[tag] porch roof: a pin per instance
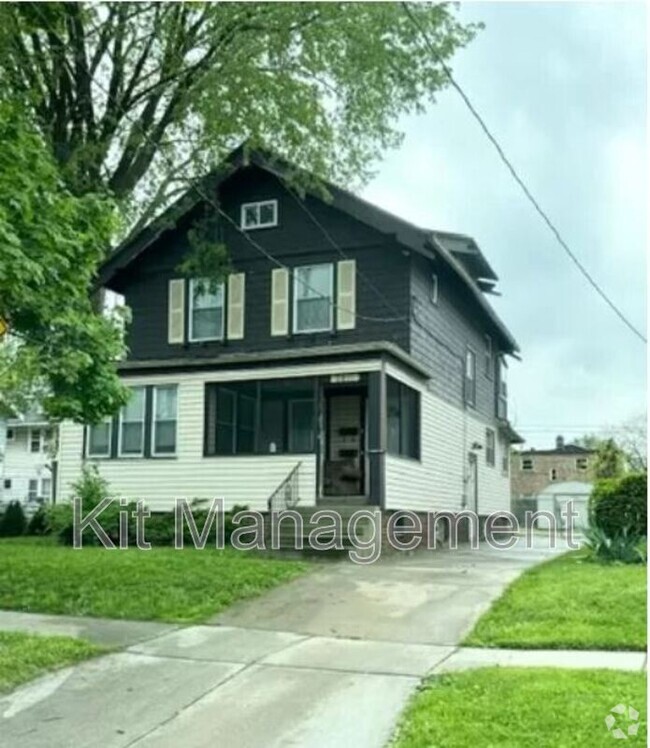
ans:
(295, 355)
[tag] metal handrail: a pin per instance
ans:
(287, 494)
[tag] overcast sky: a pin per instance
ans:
(562, 86)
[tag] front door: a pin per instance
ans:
(344, 468)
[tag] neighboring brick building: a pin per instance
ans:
(534, 469)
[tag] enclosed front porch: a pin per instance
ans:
(334, 419)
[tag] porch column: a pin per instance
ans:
(376, 438)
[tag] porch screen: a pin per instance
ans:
(403, 413)
(263, 417)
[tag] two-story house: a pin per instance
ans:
(347, 349)
(535, 470)
(28, 445)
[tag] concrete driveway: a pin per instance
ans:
(429, 597)
(328, 660)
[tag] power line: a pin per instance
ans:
(518, 179)
(301, 203)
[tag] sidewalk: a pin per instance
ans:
(192, 686)
(106, 632)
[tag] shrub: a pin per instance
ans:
(13, 521)
(623, 547)
(159, 528)
(620, 504)
(91, 488)
(38, 524)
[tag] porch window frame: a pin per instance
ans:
(154, 421)
(257, 450)
(417, 423)
(95, 455)
(142, 421)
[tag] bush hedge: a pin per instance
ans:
(619, 505)
(13, 522)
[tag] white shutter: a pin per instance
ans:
(176, 311)
(346, 301)
(280, 301)
(236, 299)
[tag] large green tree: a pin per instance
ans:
(129, 102)
(138, 98)
(58, 349)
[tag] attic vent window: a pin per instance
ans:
(261, 215)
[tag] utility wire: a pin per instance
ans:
(517, 178)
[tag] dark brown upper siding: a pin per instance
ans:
(453, 324)
(296, 241)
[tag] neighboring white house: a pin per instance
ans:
(27, 460)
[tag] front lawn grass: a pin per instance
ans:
(24, 656)
(162, 584)
(569, 603)
(520, 708)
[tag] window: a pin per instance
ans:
(36, 440)
(489, 361)
(502, 391)
(582, 463)
(7, 483)
(99, 439)
(131, 435)
(11, 435)
(46, 488)
(206, 310)
(164, 420)
(267, 417)
(526, 463)
(301, 425)
(470, 377)
(490, 447)
(313, 291)
(434, 289)
(403, 412)
(32, 489)
(552, 473)
(260, 215)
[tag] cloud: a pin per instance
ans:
(562, 86)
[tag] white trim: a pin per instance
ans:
(469, 351)
(154, 422)
(258, 204)
(434, 289)
(29, 490)
(93, 455)
(192, 339)
(296, 331)
(488, 358)
(134, 455)
(41, 441)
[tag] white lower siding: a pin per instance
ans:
(437, 482)
(248, 480)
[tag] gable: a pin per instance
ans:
(246, 177)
